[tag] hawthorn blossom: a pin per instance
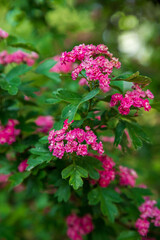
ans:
(61, 68)
(22, 166)
(4, 178)
(8, 132)
(96, 61)
(133, 98)
(45, 123)
(143, 226)
(3, 34)
(76, 140)
(18, 57)
(79, 226)
(108, 174)
(127, 176)
(149, 214)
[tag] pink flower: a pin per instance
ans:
(90, 137)
(18, 57)
(45, 123)
(108, 174)
(4, 178)
(132, 98)
(22, 166)
(149, 214)
(82, 149)
(62, 141)
(146, 105)
(115, 99)
(97, 68)
(3, 34)
(61, 68)
(149, 94)
(143, 226)
(8, 132)
(83, 82)
(79, 226)
(127, 176)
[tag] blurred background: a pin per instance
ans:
(130, 29)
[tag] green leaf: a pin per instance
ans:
(136, 78)
(35, 161)
(26, 46)
(45, 66)
(93, 161)
(82, 171)
(69, 112)
(137, 142)
(119, 132)
(137, 194)
(5, 168)
(117, 85)
(12, 89)
(40, 149)
(123, 76)
(44, 140)
(52, 100)
(18, 178)
(68, 96)
(91, 165)
(58, 125)
(15, 82)
(67, 171)
(75, 173)
(11, 39)
(94, 197)
(63, 192)
(140, 133)
(14, 42)
(17, 71)
(90, 95)
(137, 135)
(108, 208)
(75, 180)
(111, 195)
(129, 235)
(156, 106)
(52, 75)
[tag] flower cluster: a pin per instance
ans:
(4, 178)
(18, 57)
(76, 140)
(3, 34)
(108, 174)
(149, 213)
(61, 68)
(8, 132)
(45, 123)
(79, 226)
(22, 166)
(133, 98)
(127, 176)
(96, 61)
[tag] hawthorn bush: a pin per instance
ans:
(61, 176)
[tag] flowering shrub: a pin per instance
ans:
(57, 151)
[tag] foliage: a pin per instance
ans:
(36, 200)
